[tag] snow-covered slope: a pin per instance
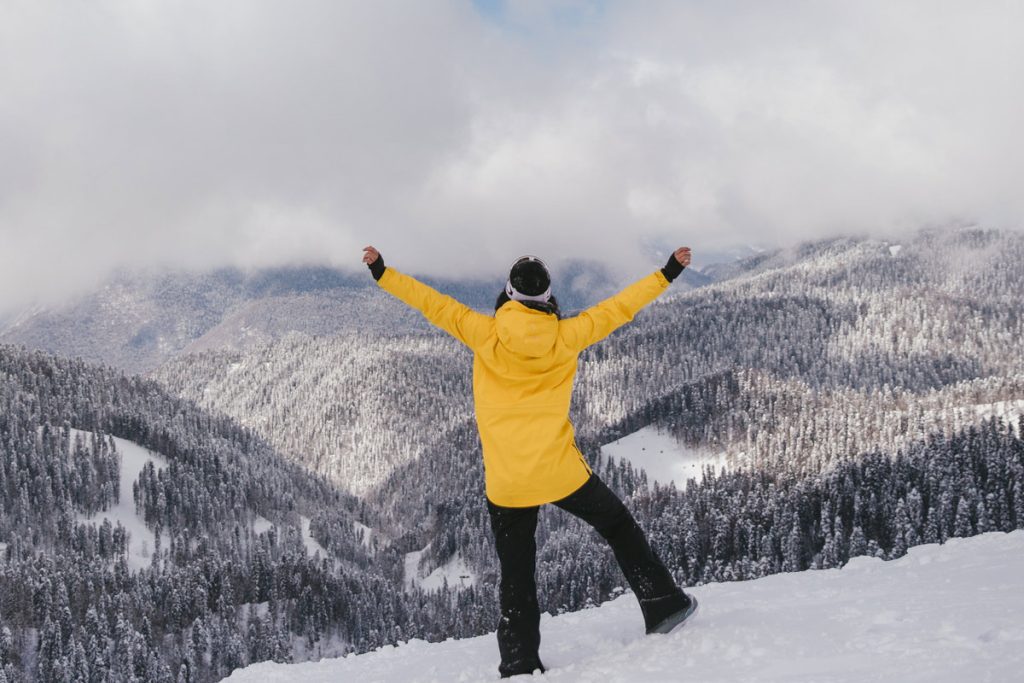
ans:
(941, 613)
(662, 457)
(133, 458)
(454, 573)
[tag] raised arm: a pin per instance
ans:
(457, 319)
(597, 322)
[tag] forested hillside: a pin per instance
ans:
(231, 579)
(351, 408)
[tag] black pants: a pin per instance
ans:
(598, 506)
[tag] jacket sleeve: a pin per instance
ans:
(597, 322)
(457, 319)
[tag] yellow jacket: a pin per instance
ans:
(524, 363)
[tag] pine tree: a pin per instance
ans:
(1018, 501)
(902, 531)
(858, 543)
(963, 527)
(983, 520)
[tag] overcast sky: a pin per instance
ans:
(456, 135)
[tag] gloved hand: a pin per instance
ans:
(679, 259)
(374, 261)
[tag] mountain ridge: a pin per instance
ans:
(139, 320)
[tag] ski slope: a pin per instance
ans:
(940, 614)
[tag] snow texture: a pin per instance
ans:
(1009, 411)
(312, 546)
(941, 613)
(455, 573)
(141, 539)
(661, 456)
(410, 572)
(261, 524)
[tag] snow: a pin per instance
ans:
(23, 317)
(455, 572)
(895, 249)
(940, 614)
(955, 418)
(133, 459)
(312, 547)
(365, 533)
(410, 574)
(664, 459)
(261, 525)
(1010, 411)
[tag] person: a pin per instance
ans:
(524, 364)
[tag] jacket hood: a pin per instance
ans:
(526, 331)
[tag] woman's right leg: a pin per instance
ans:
(519, 626)
(654, 587)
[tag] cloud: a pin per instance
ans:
(195, 134)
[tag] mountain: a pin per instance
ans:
(852, 343)
(940, 614)
(855, 398)
(139, 320)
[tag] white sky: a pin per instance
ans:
(455, 136)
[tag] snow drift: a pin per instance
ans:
(941, 613)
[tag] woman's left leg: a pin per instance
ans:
(598, 506)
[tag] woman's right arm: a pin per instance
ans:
(455, 318)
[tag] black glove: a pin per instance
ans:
(377, 267)
(672, 268)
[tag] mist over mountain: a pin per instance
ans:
(139, 320)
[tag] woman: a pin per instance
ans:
(524, 363)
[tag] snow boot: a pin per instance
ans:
(661, 615)
(524, 666)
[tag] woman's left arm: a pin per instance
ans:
(597, 322)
